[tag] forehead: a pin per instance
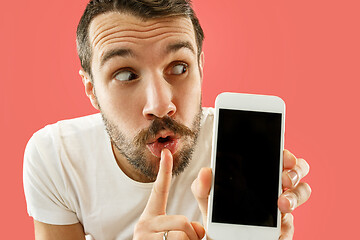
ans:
(114, 30)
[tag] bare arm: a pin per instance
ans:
(45, 231)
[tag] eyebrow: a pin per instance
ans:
(122, 52)
(125, 52)
(179, 45)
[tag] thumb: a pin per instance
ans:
(199, 229)
(201, 189)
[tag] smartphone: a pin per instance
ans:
(247, 160)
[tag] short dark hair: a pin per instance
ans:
(144, 9)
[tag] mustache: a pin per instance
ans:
(158, 124)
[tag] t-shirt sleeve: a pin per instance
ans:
(45, 188)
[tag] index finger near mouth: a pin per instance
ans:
(156, 204)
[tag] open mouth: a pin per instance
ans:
(170, 142)
(163, 140)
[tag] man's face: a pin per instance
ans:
(147, 85)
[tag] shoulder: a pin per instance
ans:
(56, 159)
(202, 151)
(69, 127)
(207, 118)
(58, 145)
(66, 132)
(208, 112)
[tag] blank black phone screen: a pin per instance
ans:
(247, 168)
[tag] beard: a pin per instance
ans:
(134, 150)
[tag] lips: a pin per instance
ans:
(163, 140)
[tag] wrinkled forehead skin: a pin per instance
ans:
(116, 30)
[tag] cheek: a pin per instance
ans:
(189, 100)
(121, 107)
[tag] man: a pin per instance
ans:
(135, 170)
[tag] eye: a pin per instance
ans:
(125, 75)
(178, 69)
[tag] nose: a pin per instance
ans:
(159, 99)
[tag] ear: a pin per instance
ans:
(201, 65)
(89, 88)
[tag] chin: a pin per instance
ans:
(180, 161)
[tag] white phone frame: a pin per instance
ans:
(247, 102)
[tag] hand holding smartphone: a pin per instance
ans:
(248, 143)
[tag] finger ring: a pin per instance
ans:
(165, 235)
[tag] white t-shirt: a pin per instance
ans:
(71, 176)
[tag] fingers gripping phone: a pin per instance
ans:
(248, 143)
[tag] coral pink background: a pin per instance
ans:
(305, 51)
